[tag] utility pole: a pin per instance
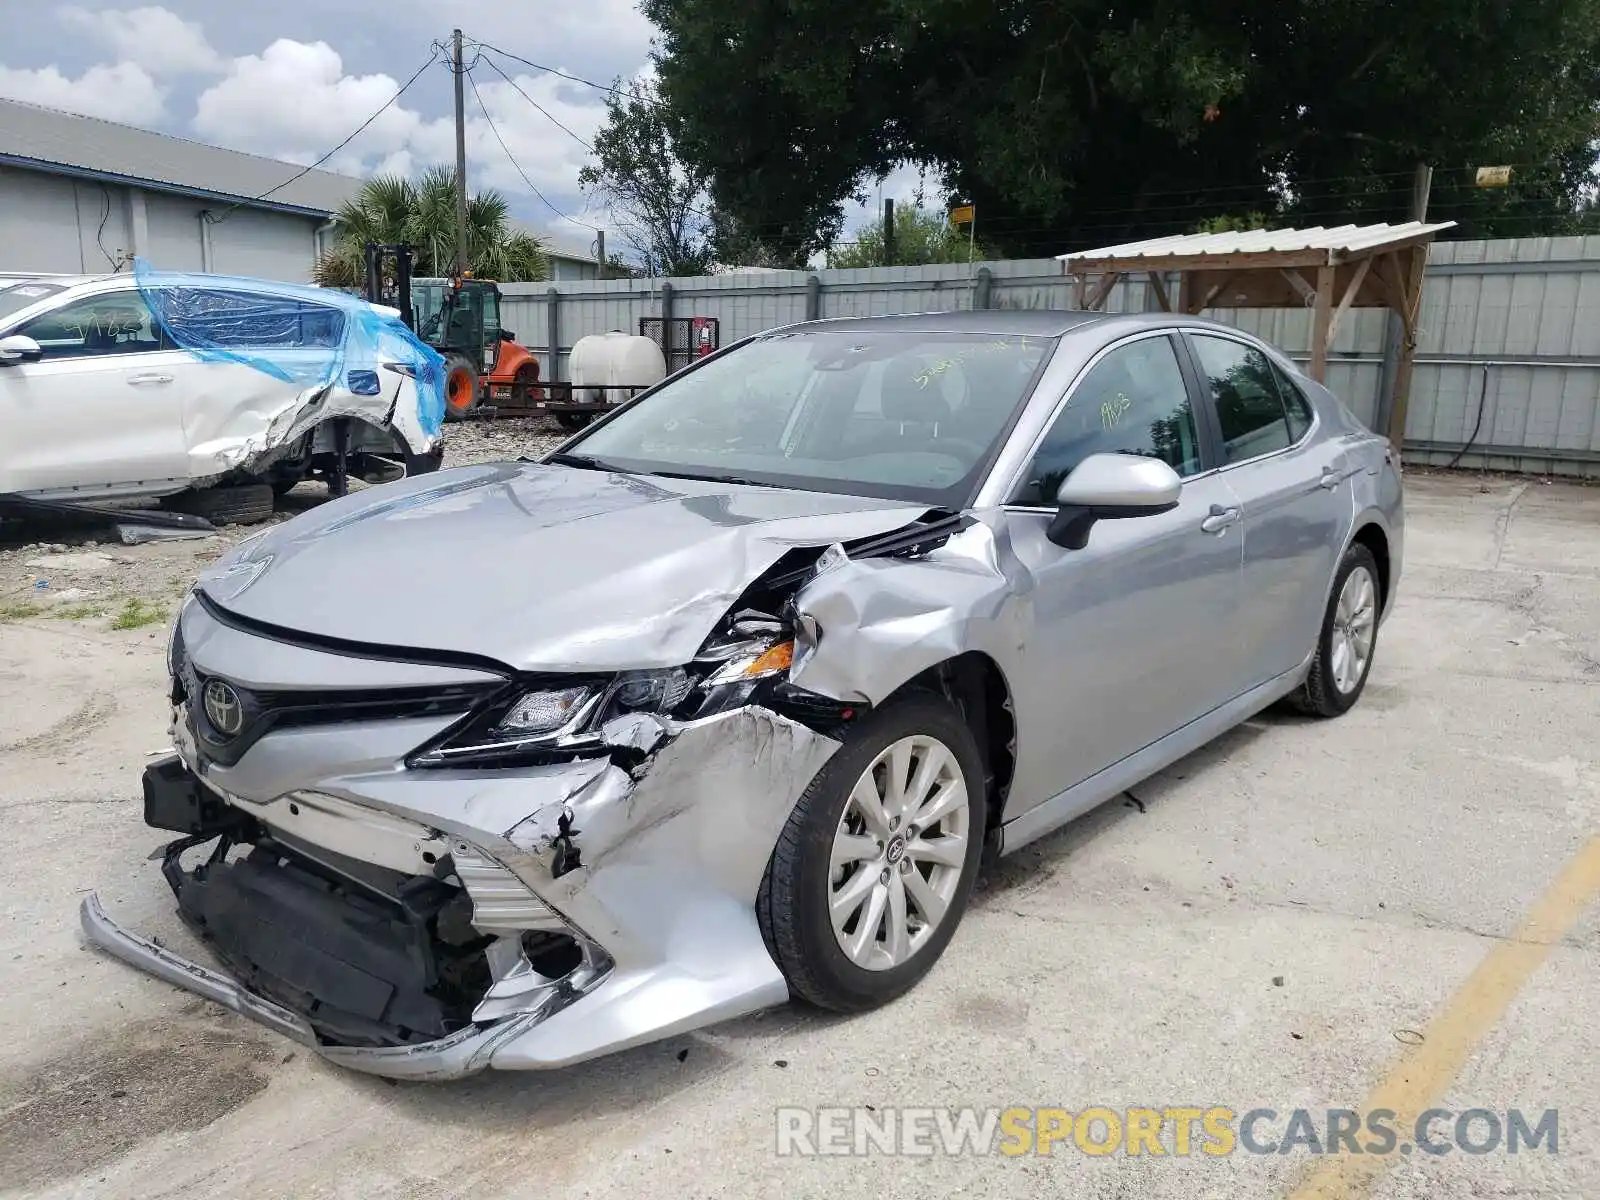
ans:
(888, 233)
(1421, 187)
(600, 251)
(461, 160)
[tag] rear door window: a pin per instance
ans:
(225, 319)
(1295, 404)
(1244, 389)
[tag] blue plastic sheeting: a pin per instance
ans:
(303, 335)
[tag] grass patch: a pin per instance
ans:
(78, 612)
(138, 613)
(20, 610)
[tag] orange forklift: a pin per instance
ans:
(460, 318)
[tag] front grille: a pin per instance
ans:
(264, 711)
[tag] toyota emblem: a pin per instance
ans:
(224, 708)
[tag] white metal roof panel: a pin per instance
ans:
(1341, 239)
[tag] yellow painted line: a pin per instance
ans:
(1417, 1081)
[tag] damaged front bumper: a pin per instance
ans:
(643, 876)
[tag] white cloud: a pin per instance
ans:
(156, 39)
(294, 101)
(548, 154)
(246, 109)
(124, 92)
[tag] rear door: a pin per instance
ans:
(99, 413)
(1132, 635)
(1295, 496)
(259, 362)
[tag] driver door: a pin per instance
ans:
(1131, 634)
(100, 412)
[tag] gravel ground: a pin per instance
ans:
(80, 577)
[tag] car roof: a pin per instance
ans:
(11, 279)
(1034, 322)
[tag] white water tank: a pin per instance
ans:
(614, 360)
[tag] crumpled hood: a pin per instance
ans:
(538, 567)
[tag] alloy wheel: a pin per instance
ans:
(1355, 625)
(898, 852)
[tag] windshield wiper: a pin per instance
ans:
(586, 462)
(709, 478)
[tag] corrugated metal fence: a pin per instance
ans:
(1509, 334)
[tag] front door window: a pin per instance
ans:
(1133, 401)
(110, 323)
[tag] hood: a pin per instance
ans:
(537, 567)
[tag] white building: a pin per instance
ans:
(83, 195)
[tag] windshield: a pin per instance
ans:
(17, 296)
(871, 412)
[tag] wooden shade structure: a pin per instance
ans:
(1329, 271)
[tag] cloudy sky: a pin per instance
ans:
(293, 78)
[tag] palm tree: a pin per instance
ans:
(389, 209)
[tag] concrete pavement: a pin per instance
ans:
(1291, 908)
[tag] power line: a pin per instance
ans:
(484, 108)
(548, 70)
(536, 104)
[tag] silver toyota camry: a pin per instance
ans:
(723, 702)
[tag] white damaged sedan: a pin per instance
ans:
(215, 390)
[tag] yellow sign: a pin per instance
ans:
(962, 215)
(1494, 176)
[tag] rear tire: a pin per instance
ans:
(460, 386)
(1339, 670)
(245, 504)
(825, 856)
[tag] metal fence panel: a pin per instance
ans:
(1508, 333)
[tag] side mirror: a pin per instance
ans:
(1111, 486)
(18, 348)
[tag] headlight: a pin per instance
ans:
(538, 723)
(758, 662)
(543, 712)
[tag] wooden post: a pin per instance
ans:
(1321, 322)
(1159, 286)
(1399, 344)
(1411, 274)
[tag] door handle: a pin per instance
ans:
(1219, 519)
(149, 377)
(1330, 478)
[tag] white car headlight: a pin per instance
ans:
(544, 711)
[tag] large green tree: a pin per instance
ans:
(422, 214)
(1080, 122)
(657, 202)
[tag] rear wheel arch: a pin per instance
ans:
(1371, 535)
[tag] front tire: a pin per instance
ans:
(874, 869)
(1347, 640)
